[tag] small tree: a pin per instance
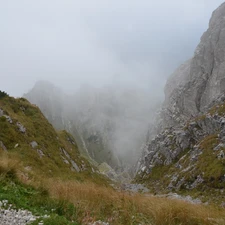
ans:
(3, 94)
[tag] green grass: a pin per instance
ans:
(49, 142)
(213, 168)
(208, 166)
(37, 201)
(48, 186)
(220, 109)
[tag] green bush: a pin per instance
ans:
(3, 94)
(3, 119)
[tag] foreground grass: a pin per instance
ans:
(122, 208)
(36, 200)
(70, 202)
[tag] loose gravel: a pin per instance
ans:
(10, 216)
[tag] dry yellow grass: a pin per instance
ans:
(11, 167)
(97, 202)
(8, 164)
(94, 202)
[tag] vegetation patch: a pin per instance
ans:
(3, 94)
(36, 174)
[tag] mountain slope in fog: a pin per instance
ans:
(27, 137)
(109, 123)
(188, 150)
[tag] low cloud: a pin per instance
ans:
(97, 42)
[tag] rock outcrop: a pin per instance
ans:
(188, 148)
(173, 145)
(200, 80)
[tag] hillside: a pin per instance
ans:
(68, 159)
(196, 84)
(29, 137)
(108, 123)
(185, 152)
(45, 180)
(189, 160)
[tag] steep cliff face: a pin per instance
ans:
(173, 113)
(199, 81)
(187, 151)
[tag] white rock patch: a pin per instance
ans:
(9, 216)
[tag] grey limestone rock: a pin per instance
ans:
(8, 118)
(10, 216)
(190, 92)
(33, 144)
(1, 112)
(198, 181)
(99, 222)
(16, 145)
(200, 81)
(75, 166)
(65, 160)
(40, 153)
(22, 129)
(3, 146)
(135, 188)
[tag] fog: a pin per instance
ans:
(73, 42)
(110, 122)
(110, 58)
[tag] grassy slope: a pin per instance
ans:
(208, 165)
(49, 142)
(81, 197)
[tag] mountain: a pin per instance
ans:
(200, 80)
(45, 180)
(186, 149)
(28, 137)
(108, 123)
(47, 176)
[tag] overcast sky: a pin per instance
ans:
(71, 42)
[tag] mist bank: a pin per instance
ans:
(71, 42)
(110, 123)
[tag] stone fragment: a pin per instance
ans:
(34, 144)
(3, 146)
(75, 166)
(8, 118)
(22, 129)
(40, 153)
(16, 145)
(1, 112)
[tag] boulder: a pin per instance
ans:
(22, 129)
(33, 144)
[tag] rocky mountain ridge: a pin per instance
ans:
(200, 80)
(186, 150)
(193, 155)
